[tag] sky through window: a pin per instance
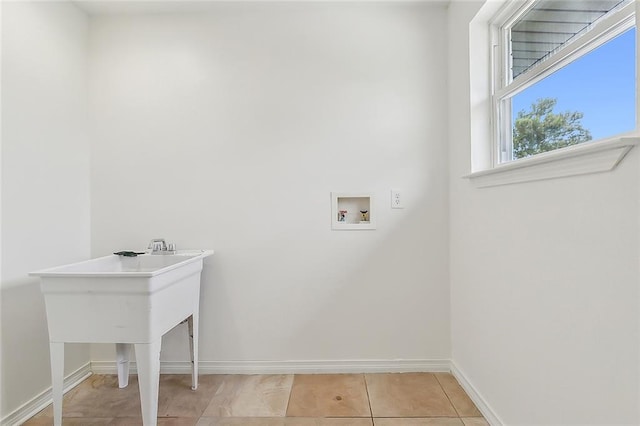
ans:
(600, 84)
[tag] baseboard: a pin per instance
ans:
(290, 367)
(39, 402)
(484, 407)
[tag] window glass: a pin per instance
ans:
(591, 98)
(550, 24)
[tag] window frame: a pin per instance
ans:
(503, 88)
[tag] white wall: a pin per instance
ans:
(544, 280)
(45, 185)
(229, 129)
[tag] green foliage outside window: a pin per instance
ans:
(541, 129)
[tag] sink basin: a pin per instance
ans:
(113, 265)
(121, 299)
(130, 301)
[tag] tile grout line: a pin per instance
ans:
(213, 395)
(290, 392)
(366, 388)
(448, 397)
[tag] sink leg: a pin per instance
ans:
(148, 362)
(57, 379)
(123, 350)
(193, 323)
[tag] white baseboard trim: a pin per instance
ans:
(486, 410)
(39, 402)
(289, 367)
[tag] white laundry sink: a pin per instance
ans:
(122, 265)
(123, 300)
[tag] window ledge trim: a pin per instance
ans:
(586, 158)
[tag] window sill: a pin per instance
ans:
(586, 158)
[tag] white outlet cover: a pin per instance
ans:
(397, 199)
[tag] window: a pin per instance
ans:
(564, 72)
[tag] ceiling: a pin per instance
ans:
(128, 7)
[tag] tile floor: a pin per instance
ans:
(407, 399)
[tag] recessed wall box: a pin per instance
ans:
(352, 211)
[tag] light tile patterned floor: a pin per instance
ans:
(407, 399)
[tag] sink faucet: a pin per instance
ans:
(158, 246)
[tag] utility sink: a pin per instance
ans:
(122, 265)
(130, 301)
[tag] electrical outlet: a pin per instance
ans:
(397, 199)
